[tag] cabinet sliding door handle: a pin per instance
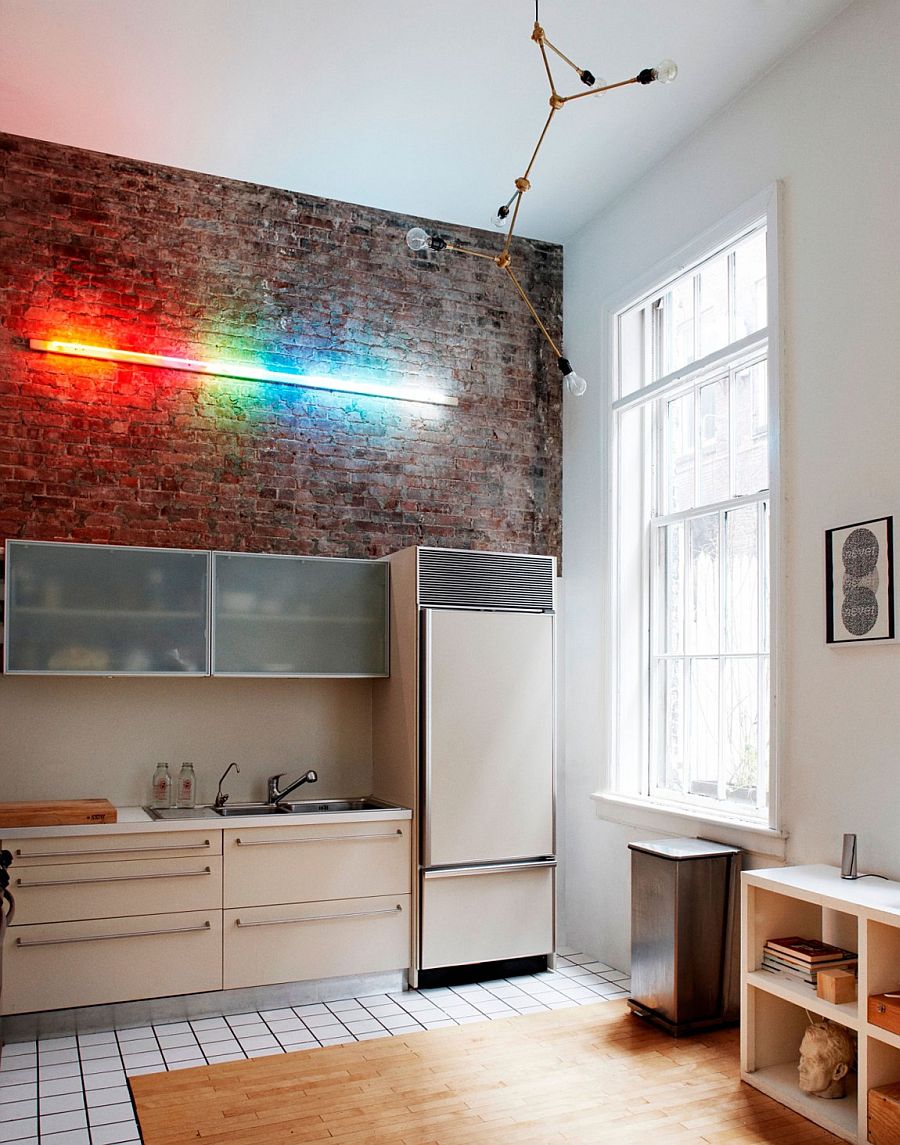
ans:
(106, 937)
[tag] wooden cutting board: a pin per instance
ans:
(56, 812)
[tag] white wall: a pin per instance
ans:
(79, 737)
(826, 122)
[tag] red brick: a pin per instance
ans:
(97, 247)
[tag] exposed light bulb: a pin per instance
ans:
(417, 239)
(499, 219)
(665, 71)
(601, 82)
(575, 384)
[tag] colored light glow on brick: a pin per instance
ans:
(245, 372)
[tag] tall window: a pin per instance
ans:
(691, 570)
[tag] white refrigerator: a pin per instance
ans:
(487, 870)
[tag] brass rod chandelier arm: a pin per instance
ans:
(512, 225)
(471, 253)
(600, 90)
(564, 58)
(538, 144)
(553, 92)
(534, 314)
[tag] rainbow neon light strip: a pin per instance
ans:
(245, 372)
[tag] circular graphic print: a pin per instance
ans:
(859, 611)
(860, 552)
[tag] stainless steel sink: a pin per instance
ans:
(323, 806)
(249, 809)
(300, 807)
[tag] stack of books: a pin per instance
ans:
(801, 959)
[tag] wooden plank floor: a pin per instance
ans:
(591, 1074)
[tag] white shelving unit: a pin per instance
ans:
(816, 902)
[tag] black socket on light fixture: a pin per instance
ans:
(437, 243)
(648, 75)
(503, 211)
(587, 78)
(565, 366)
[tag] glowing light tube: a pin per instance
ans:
(245, 372)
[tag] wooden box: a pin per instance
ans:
(884, 1114)
(836, 986)
(56, 812)
(884, 1011)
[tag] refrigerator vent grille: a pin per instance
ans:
(453, 578)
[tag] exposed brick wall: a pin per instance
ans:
(118, 252)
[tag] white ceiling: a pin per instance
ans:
(425, 107)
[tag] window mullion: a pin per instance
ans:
(723, 611)
(762, 717)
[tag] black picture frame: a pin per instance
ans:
(859, 582)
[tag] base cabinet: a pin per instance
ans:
(264, 945)
(117, 917)
(316, 901)
(814, 902)
(94, 919)
(68, 964)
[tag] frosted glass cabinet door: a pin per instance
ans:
(299, 616)
(104, 610)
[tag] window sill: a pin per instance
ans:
(633, 811)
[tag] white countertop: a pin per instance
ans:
(136, 821)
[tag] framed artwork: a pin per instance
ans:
(859, 582)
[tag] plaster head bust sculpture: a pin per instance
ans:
(826, 1055)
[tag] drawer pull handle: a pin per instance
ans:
(114, 879)
(113, 851)
(105, 937)
(316, 839)
(318, 917)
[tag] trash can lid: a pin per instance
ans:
(678, 849)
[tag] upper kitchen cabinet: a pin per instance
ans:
(299, 616)
(104, 610)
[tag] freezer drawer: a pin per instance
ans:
(484, 915)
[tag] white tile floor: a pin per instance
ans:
(73, 1091)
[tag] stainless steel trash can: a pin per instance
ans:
(684, 933)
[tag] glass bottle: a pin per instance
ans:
(186, 784)
(162, 786)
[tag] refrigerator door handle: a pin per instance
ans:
(489, 869)
(426, 630)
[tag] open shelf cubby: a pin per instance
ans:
(863, 916)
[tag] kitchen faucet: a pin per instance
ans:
(273, 795)
(221, 799)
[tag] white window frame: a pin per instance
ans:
(626, 784)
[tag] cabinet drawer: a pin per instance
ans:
(315, 940)
(315, 863)
(67, 964)
(473, 917)
(109, 890)
(103, 848)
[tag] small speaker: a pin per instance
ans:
(848, 858)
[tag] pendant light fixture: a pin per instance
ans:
(507, 213)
